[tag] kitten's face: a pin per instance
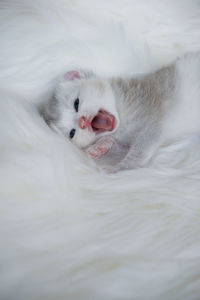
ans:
(83, 109)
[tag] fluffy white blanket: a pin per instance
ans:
(68, 231)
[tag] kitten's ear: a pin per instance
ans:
(73, 75)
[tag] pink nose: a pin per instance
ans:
(83, 123)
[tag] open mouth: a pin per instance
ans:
(103, 121)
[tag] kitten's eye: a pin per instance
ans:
(76, 104)
(72, 133)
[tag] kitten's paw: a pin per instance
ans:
(101, 147)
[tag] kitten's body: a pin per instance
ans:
(148, 110)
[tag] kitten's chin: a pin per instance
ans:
(103, 121)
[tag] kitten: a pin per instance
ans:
(120, 122)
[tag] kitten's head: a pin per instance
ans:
(83, 108)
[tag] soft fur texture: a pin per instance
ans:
(67, 230)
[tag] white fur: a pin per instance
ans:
(68, 231)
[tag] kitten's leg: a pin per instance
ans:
(131, 161)
(101, 147)
(136, 157)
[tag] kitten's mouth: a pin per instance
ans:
(103, 121)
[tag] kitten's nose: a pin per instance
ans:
(83, 123)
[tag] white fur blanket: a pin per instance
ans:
(68, 231)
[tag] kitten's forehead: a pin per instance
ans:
(93, 87)
(66, 92)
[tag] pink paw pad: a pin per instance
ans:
(97, 151)
(72, 75)
(100, 148)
